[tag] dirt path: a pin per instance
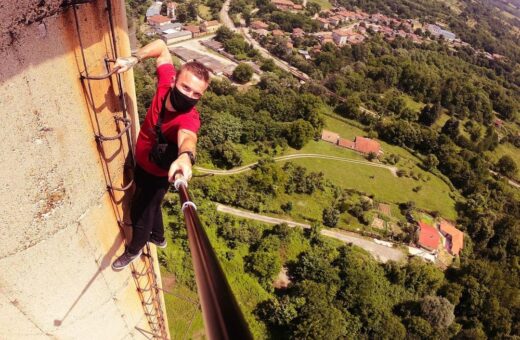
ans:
(510, 181)
(380, 252)
(248, 167)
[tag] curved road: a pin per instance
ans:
(248, 167)
(380, 252)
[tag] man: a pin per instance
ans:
(171, 121)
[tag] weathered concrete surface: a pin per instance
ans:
(58, 221)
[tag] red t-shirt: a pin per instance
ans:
(172, 122)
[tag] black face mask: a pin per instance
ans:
(180, 101)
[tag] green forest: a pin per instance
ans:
(437, 103)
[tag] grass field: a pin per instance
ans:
(506, 149)
(434, 195)
(184, 316)
(246, 288)
(325, 4)
(412, 104)
(204, 12)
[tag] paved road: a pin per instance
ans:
(380, 252)
(513, 183)
(224, 16)
(248, 167)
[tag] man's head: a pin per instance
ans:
(190, 84)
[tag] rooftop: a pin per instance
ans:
(429, 238)
(457, 236)
(367, 145)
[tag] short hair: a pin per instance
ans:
(198, 69)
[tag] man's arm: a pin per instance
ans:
(155, 49)
(187, 141)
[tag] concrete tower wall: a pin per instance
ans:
(59, 224)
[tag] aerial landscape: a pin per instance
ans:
(352, 166)
(357, 171)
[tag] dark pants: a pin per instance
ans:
(146, 212)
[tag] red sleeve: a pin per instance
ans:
(165, 74)
(190, 122)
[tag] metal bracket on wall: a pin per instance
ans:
(128, 124)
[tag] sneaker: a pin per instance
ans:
(124, 260)
(158, 244)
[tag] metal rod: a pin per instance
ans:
(128, 125)
(101, 77)
(223, 318)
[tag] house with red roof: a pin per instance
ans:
(367, 145)
(259, 25)
(429, 237)
(329, 136)
(158, 20)
(297, 33)
(454, 237)
(324, 23)
(345, 143)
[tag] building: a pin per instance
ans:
(355, 39)
(437, 31)
(384, 209)
(346, 143)
(158, 20)
(361, 144)
(329, 136)
(154, 9)
(213, 44)
(429, 237)
(367, 145)
(175, 37)
(261, 32)
(195, 30)
(335, 20)
(210, 26)
(169, 28)
(186, 54)
(297, 33)
(304, 54)
(347, 15)
(171, 7)
(259, 25)
(324, 23)
(277, 33)
(340, 36)
(283, 4)
(454, 237)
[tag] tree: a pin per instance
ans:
(265, 266)
(299, 133)
(287, 207)
(506, 166)
(438, 311)
(430, 114)
(227, 155)
(268, 65)
(243, 73)
(330, 217)
(223, 34)
(222, 87)
(317, 318)
(313, 8)
(451, 127)
(350, 108)
(430, 162)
